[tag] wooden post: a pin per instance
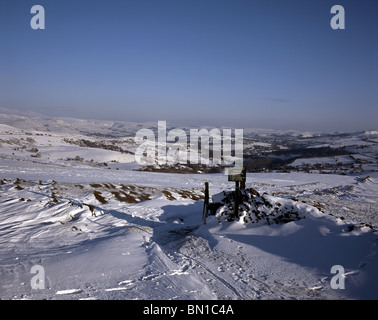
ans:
(206, 203)
(237, 174)
(236, 203)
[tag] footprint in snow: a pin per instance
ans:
(125, 282)
(68, 291)
(150, 277)
(116, 289)
(178, 273)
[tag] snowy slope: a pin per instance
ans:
(96, 242)
(105, 231)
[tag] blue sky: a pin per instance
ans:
(240, 63)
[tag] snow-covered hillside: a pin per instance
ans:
(101, 230)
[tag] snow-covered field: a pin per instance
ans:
(104, 231)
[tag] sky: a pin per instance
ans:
(240, 63)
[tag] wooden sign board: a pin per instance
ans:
(237, 174)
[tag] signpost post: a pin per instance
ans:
(237, 174)
(205, 203)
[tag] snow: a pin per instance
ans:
(313, 161)
(158, 249)
(322, 161)
(7, 128)
(103, 233)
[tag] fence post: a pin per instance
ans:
(206, 203)
(236, 204)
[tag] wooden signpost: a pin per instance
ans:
(237, 174)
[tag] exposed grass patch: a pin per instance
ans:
(124, 197)
(99, 197)
(190, 194)
(141, 193)
(91, 208)
(169, 195)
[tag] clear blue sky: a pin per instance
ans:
(240, 63)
